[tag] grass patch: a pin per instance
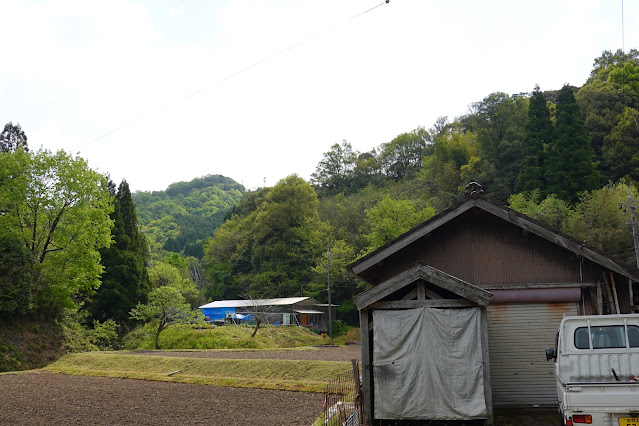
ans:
(305, 376)
(227, 337)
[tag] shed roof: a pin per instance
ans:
(426, 273)
(580, 248)
(281, 301)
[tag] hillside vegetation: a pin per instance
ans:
(75, 247)
(182, 217)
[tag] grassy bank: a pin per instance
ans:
(27, 344)
(306, 376)
(227, 337)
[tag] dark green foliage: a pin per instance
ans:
(537, 135)
(182, 217)
(571, 169)
(125, 280)
(613, 85)
(13, 137)
(402, 157)
(499, 123)
(15, 276)
(334, 172)
(621, 146)
(268, 247)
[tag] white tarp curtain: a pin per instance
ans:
(427, 364)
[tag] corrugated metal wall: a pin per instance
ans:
(485, 250)
(518, 335)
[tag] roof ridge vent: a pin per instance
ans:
(473, 190)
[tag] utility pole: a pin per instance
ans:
(328, 268)
(632, 205)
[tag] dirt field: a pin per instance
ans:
(52, 399)
(42, 398)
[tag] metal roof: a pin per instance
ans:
(281, 301)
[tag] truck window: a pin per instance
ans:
(581, 338)
(633, 336)
(606, 337)
(610, 336)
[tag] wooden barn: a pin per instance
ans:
(514, 276)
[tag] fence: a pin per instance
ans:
(343, 399)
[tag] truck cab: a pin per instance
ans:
(597, 369)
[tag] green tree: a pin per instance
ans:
(499, 121)
(163, 274)
(166, 306)
(59, 209)
(537, 135)
(391, 218)
(268, 245)
(13, 137)
(15, 279)
(125, 281)
(613, 85)
(334, 171)
(621, 146)
(402, 157)
(595, 218)
(571, 167)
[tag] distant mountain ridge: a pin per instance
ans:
(182, 217)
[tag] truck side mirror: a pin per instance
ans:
(550, 354)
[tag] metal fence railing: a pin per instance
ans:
(343, 399)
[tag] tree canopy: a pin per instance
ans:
(58, 209)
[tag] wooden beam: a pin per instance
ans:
(631, 295)
(520, 286)
(611, 304)
(367, 382)
(428, 303)
(411, 295)
(421, 290)
(386, 288)
(600, 299)
(614, 291)
(427, 273)
(431, 294)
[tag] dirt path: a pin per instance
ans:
(44, 398)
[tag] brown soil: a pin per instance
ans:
(43, 398)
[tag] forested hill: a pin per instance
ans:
(182, 217)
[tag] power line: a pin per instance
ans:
(255, 64)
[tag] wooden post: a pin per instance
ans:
(611, 303)
(599, 299)
(614, 291)
(632, 296)
(488, 392)
(367, 393)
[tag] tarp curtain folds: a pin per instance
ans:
(427, 364)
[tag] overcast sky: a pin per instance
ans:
(162, 91)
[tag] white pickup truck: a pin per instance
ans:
(597, 368)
